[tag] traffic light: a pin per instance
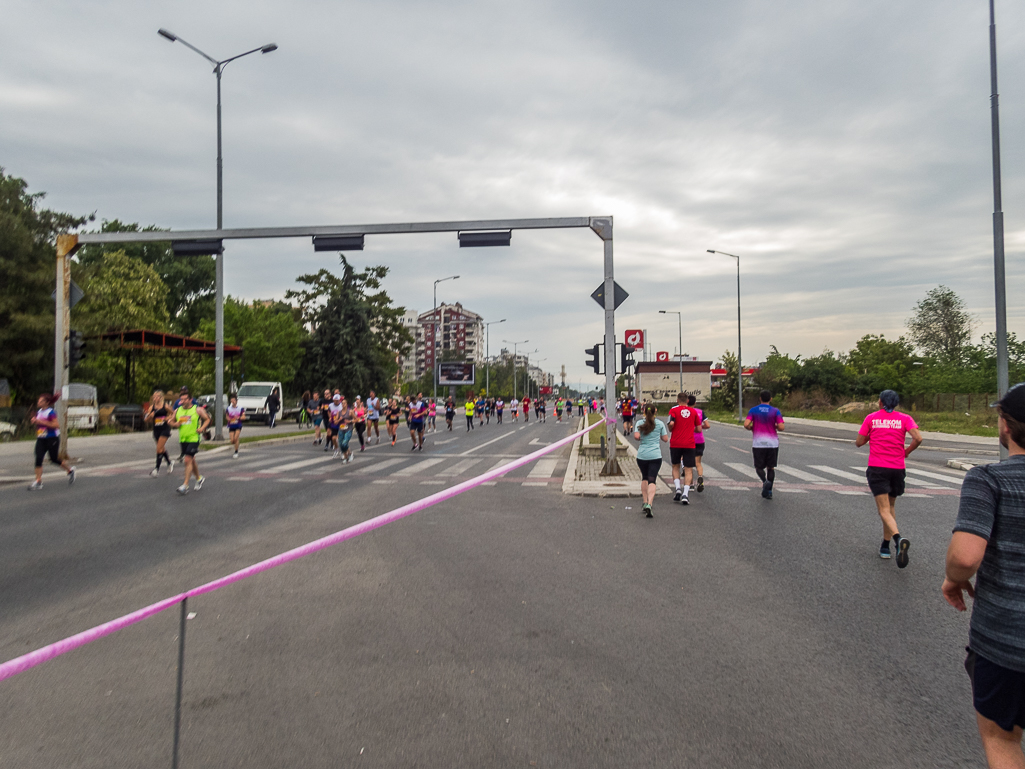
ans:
(76, 348)
(595, 362)
(626, 358)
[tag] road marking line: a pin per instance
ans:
(490, 483)
(918, 496)
(297, 465)
(711, 472)
(851, 493)
(791, 491)
(378, 466)
(458, 468)
(800, 474)
(534, 483)
(432, 483)
(240, 479)
(544, 468)
(912, 481)
(418, 467)
(488, 443)
(337, 480)
(744, 470)
(938, 476)
(840, 473)
(382, 481)
(289, 480)
(734, 488)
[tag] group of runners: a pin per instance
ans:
(884, 431)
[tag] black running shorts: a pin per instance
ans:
(765, 457)
(190, 449)
(997, 692)
(46, 446)
(682, 456)
(164, 431)
(649, 469)
(699, 449)
(886, 480)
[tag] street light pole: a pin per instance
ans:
(740, 364)
(1003, 379)
(219, 257)
(434, 341)
(514, 344)
(679, 319)
(487, 353)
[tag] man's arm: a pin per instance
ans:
(916, 441)
(205, 417)
(964, 556)
(861, 440)
(748, 423)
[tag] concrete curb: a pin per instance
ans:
(965, 463)
(611, 488)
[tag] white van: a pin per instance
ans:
(252, 396)
(83, 408)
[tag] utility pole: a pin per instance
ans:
(1003, 379)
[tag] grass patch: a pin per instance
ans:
(594, 437)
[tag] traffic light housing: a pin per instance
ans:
(76, 348)
(595, 361)
(626, 357)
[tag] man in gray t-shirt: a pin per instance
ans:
(989, 543)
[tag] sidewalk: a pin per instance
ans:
(584, 478)
(850, 427)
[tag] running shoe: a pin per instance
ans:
(154, 473)
(684, 500)
(678, 496)
(647, 511)
(361, 448)
(766, 493)
(701, 483)
(36, 486)
(393, 442)
(183, 489)
(71, 475)
(902, 553)
(336, 454)
(170, 466)
(884, 551)
(199, 482)
(235, 455)
(413, 448)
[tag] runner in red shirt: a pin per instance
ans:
(684, 422)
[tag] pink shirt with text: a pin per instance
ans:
(885, 433)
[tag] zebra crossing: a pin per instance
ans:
(848, 480)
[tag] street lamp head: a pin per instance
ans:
(269, 47)
(710, 250)
(661, 312)
(169, 35)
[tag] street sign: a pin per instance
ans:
(618, 297)
(661, 357)
(77, 294)
(635, 338)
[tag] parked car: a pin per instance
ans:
(129, 415)
(83, 408)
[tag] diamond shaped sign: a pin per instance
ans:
(619, 296)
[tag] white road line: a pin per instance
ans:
(432, 483)
(297, 465)
(785, 490)
(544, 468)
(938, 476)
(239, 479)
(851, 493)
(918, 496)
(710, 472)
(365, 469)
(488, 443)
(289, 480)
(800, 474)
(458, 468)
(745, 470)
(497, 465)
(382, 481)
(840, 473)
(418, 467)
(337, 480)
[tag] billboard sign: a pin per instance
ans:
(635, 338)
(662, 357)
(455, 373)
(545, 390)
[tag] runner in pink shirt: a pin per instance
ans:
(885, 431)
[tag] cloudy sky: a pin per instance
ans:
(842, 148)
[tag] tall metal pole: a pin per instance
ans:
(740, 359)
(66, 246)
(219, 283)
(603, 228)
(998, 220)
(679, 320)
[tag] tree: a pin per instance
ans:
(190, 280)
(270, 336)
(27, 239)
(355, 331)
(826, 372)
(123, 293)
(724, 397)
(776, 373)
(941, 326)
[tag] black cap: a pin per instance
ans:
(184, 391)
(1013, 403)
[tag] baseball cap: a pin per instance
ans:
(338, 397)
(183, 391)
(1013, 403)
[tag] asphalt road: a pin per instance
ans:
(512, 626)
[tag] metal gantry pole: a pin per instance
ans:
(603, 227)
(181, 680)
(1003, 377)
(219, 283)
(740, 359)
(66, 246)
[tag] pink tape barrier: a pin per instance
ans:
(50, 651)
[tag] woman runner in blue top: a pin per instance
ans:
(651, 432)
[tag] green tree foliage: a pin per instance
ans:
(122, 293)
(776, 373)
(827, 372)
(724, 397)
(271, 337)
(190, 280)
(355, 331)
(941, 326)
(27, 277)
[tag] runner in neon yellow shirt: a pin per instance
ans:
(191, 420)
